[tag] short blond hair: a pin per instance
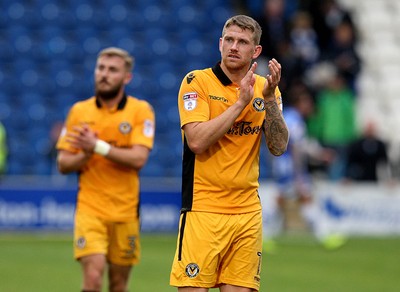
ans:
(114, 51)
(245, 22)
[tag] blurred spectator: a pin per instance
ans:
(275, 27)
(327, 15)
(333, 123)
(343, 54)
(274, 20)
(303, 40)
(255, 8)
(291, 168)
(366, 156)
(3, 149)
(295, 195)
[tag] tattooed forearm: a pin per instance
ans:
(276, 131)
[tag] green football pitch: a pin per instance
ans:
(43, 262)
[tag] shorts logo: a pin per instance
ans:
(125, 128)
(81, 242)
(190, 101)
(258, 104)
(192, 270)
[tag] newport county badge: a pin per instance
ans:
(258, 104)
(125, 127)
(190, 101)
(192, 270)
(81, 242)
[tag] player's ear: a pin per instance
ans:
(257, 51)
(220, 44)
(128, 78)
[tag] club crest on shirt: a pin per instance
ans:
(190, 100)
(258, 104)
(125, 127)
(192, 270)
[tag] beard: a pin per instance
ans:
(108, 94)
(233, 65)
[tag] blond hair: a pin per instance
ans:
(245, 22)
(113, 51)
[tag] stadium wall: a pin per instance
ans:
(356, 209)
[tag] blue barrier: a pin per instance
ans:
(53, 209)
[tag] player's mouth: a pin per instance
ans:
(233, 56)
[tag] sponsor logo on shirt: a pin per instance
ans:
(218, 98)
(244, 128)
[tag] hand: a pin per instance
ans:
(272, 79)
(83, 138)
(247, 85)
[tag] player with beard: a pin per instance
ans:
(224, 112)
(107, 139)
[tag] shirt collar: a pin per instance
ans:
(120, 105)
(217, 70)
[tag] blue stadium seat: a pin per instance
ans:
(135, 21)
(43, 166)
(10, 86)
(14, 167)
(6, 51)
(48, 54)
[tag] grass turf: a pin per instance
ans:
(43, 262)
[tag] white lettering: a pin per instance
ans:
(18, 214)
(56, 214)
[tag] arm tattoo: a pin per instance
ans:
(275, 129)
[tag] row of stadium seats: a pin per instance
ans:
(47, 55)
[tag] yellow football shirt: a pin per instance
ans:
(223, 179)
(107, 189)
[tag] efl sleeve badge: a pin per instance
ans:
(190, 101)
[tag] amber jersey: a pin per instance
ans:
(107, 189)
(223, 179)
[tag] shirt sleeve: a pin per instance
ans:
(144, 126)
(62, 143)
(193, 103)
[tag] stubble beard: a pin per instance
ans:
(233, 66)
(108, 94)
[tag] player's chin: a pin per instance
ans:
(234, 63)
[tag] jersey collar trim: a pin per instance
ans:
(121, 104)
(217, 70)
